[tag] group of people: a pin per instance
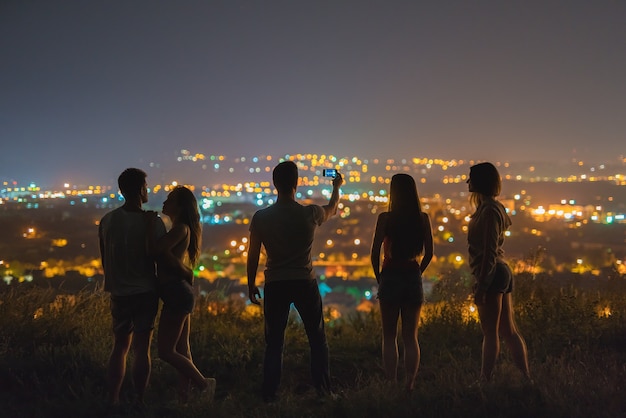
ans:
(143, 262)
(405, 234)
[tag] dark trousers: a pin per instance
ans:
(305, 296)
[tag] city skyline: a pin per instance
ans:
(90, 89)
(216, 171)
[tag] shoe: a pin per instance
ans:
(209, 392)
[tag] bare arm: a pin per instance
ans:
(428, 243)
(331, 208)
(377, 242)
(161, 248)
(254, 252)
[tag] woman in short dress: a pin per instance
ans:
(404, 232)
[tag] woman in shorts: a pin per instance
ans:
(494, 279)
(178, 251)
(404, 232)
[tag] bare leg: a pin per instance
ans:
(142, 362)
(170, 331)
(117, 365)
(410, 321)
(489, 322)
(512, 337)
(390, 313)
(183, 348)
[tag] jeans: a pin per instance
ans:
(305, 296)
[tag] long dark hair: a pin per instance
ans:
(190, 216)
(405, 226)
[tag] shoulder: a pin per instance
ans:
(111, 215)
(312, 208)
(493, 210)
(383, 217)
(262, 212)
(319, 215)
(178, 232)
(105, 218)
(260, 217)
(180, 228)
(495, 207)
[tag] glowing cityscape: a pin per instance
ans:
(559, 226)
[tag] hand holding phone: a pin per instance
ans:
(329, 172)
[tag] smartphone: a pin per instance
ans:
(329, 172)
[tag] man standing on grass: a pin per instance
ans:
(286, 230)
(130, 277)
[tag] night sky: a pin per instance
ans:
(88, 88)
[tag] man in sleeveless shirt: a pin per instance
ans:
(286, 230)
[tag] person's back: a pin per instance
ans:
(130, 278)
(287, 229)
(127, 268)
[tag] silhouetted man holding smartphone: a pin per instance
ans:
(286, 230)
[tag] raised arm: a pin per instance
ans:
(331, 208)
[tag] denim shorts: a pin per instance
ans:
(134, 313)
(177, 296)
(401, 286)
(502, 279)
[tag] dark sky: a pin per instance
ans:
(88, 88)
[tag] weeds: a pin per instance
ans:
(54, 349)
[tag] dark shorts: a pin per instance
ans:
(134, 313)
(502, 279)
(177, 296)
(401, 286)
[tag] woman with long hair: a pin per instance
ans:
(404, 232)
(494, 278)
(177, 252)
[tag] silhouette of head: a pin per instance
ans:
(182, 201)
(485, 179)
(285, 176)
(403, 193)
(132, 182)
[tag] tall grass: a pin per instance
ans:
(54, 349)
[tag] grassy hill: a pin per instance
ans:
(54, 348)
